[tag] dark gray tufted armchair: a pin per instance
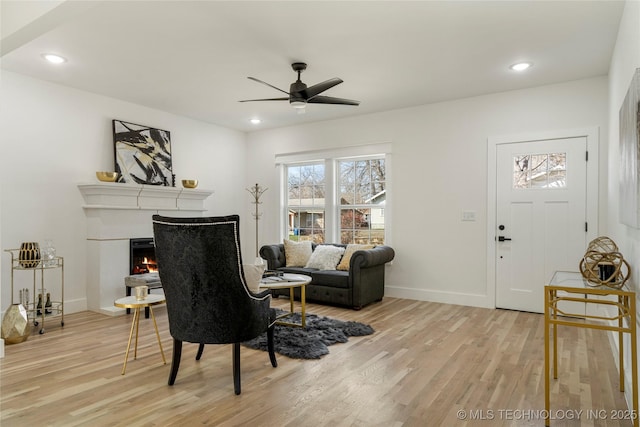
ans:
(208, 302)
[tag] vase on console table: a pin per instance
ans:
(29, 255)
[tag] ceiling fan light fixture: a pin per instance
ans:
(300, 94)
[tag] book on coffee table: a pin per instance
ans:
(275, 279)
(272, 273)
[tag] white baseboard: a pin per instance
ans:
(75, 306)
(111, 311)
(443, 297)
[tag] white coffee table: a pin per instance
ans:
(290, 281)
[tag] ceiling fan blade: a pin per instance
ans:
(332, 100)
(317, 89)
(265, 83)
(265, 99)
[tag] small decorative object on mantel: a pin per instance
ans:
(602, 264)
(256, 191)
(15, 324)
(189, 183)
(107, 176)
(29, 254)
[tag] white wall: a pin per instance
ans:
(439, 170)
(625, 60)
(54, 138)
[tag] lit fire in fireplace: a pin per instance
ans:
(151, 265)
(145, 266)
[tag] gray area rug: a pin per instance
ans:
(311, 342)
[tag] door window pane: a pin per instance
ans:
(540, 171)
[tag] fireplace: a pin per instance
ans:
(115, 214)
(142, 256)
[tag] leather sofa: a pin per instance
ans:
(362, 284)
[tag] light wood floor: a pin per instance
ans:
(426, 362)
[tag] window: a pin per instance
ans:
(337, 200)
(540, 171)
(306, 202)
(362, 198)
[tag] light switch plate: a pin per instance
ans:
(468, 215)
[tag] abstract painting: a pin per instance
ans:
(630, 154)
(143, 154)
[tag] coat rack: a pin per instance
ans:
(256, 191)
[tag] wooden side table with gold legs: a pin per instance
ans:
(568, 286)
(136, 305)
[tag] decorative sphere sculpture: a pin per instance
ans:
(602, 264)
(602, 244)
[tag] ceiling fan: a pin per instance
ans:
(300, 95)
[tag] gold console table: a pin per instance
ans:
(570, 286)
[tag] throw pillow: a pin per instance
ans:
(253, 275)
(325, 257)
(297, 253)
(346, 258)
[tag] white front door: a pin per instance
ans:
(541, 212)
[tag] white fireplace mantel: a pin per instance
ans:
(117, 212)
(112, 195)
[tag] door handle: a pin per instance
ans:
(502, 238)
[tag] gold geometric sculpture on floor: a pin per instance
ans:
(602, 264)
(16, 327)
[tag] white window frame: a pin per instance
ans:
(330, 157)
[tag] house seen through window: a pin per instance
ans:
(306, 202)
(362, 198)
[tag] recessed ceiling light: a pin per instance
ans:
(53, 58)
(256, 121)
(521, 66)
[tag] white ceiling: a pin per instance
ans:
(193, 58)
